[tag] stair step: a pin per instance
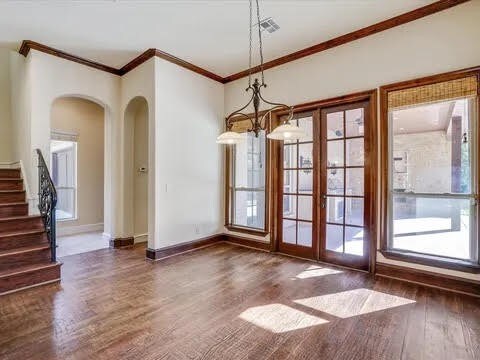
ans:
(13, 209)
(28, 255)
(11, 184)
(28, 275)
(22, 238)
(10, 173)
(9, 196)
(20, 223)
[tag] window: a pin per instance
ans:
(64, 176)
(432, 180)
(247, 182)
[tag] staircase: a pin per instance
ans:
(25, 253)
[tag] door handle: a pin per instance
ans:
(324, 201)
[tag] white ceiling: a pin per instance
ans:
(212, 34)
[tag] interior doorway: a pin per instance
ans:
(137, 168)
(77, 149)
(324, 185)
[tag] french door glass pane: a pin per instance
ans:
(305, 181)
(354, 122)
(290, 181)
(335, 209)
(354, 240)
(305, 155)
(436, 226)
(304, 234)
(305, 208)
(335, 153)
(290, 156)
(334, 238)
(354, 178)
(335, 125)
(354, 152)
(354, 211)
(335, 182)
(289, 233)
(290, 206)
(307, 125)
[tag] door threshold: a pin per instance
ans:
(322, 262)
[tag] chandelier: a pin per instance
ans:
(286, 131)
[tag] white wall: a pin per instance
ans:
(20, 110)
(5, 113)
(51, 78)
(439, 43)
(138, 83)
(188, 165)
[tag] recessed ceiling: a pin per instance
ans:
(212, 34)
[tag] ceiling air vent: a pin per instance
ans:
(269, 24)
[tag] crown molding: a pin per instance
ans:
(354, 35)
(27, 45)
(416, 14)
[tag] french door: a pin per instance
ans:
(324, 197)
(345, 203)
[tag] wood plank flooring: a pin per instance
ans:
(229, 302)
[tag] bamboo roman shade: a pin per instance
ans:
(446, 90)
(241, 126)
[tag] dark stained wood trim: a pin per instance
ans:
(354, 35)
(121, 242)
(427, 278)
(251, 243)
(384, 172)
(27, 45)
(139, 60)
(157, 254)
(185, 64)
(433, 261)
(247, 230)
(228, 179)
(372, 136)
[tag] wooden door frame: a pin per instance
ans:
(371, 161)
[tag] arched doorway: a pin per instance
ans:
(137, 169)
(77, 165)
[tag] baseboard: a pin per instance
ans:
(427, 278)
(78, 229)
(9, 164)
(121, 242)
(157, 254)
(140, 238)
(247, 242)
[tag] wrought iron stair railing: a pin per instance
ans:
(47, 202)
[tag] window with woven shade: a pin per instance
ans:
(432, 172)
(247, 174)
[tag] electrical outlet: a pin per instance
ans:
(197, 229)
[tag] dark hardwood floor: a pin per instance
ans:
(229, 302)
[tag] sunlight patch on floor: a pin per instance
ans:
(316, 271)
(279, 318)
(353, 302)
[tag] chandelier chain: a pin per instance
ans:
(260, 44)
(250, 50)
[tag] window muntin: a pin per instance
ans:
(297, 205)
(432, 206)
(247, 188)
(64, 176)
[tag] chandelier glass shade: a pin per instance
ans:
(286, 131)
